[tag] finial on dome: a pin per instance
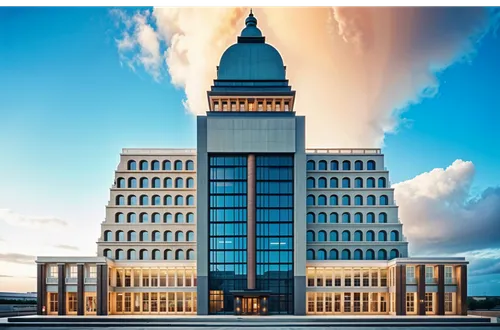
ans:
(251, 20)
(251, 14)
(251, 29)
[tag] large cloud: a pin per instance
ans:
(439, 216)
(355, 69)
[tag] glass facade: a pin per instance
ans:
(228, 230)
(274, 231)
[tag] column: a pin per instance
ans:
(400, 296)
(102, 289)
(440, 293)
(61, 289)
(80, 295)
(461, 274)
(251, 222)
(420, 275)
(41, 289)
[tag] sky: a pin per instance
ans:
(80, 84)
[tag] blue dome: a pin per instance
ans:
(251, 58)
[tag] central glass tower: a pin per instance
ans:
(251, 186)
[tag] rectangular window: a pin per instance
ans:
(365, 302)
(233, 106)
(242, 106)
(310, 302)
(357, 302)
(278, 107)
(128, 302)
(448, 302)
(375, 278)
(53, 272)
(72, 302)
(366, 278)
(383, 277)
(93, 271)
(448, 275)
(73, 271)
(357, 279)
(128, 278)
(429, 302)
(429, 274)
(319, 302)
(328, 303)
(337, 302)
(347, 302)
(410, 275)
(410, 302)
(374, 304)
(53, 302)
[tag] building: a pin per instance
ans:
(251, 222)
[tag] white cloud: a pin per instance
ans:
(15, 219)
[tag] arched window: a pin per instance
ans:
(132, 165)
(108, 236)
(179, 255)
(144, 183)
(132, 236)
(322, 236)
(310, 254)
(394, 236)
(334, 183)
(370, 200)
(167, 218)
(370, 218)
(179, 218)
(382, 236)
(143, 165)
(190, 236)
(322, 165)
(346, 236)
(167, 200)
(310, 236)
(310, 217)
(107, 253)
(156, 183)
(358, 200)
(144, 236)
(178, 165)
(370, 236)
(119, 255)
(144, 200)
(346, 165)
(321, 254)
(358, 183)
(156, 236)
(334, 200)
(132, 200)
(143, 218)
(334, 165)
(156, 200)
(381, 183)
(131, 218)
(334, 254)
(131, 255)
(382, 254)
(322, 217)
(168, 255)
(143, 254)
(155, 165)
(167, 183)
(358, 254)
(358, 236)
(334, 217)
(346, 254)
(358, 165)
(370, 165)
(190, 218)
(310, 200)
(346, 217)
(156, 254)
(370, 254)
(321, 200)
(167, 166)
(321, 183)
(334, 236)
(120, 236)
(179, 236)
(168, 236)
(384, 200)
(358, 217)
(190, 200)
(311, 166)
(382, 217)
(310, 183)
(190, 183)
(190, 165)
(120, 200)
(179, 183)
(132, 183)
(119, 218)
(179, 200)
(190, 255)
(346, 200)
(370, 183)
(120, 183)
(346, 183)
(394, 254)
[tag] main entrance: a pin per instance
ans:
(250, 306)
(251, 302)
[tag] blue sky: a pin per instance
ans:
(68, 106)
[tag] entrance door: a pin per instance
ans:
(250, 306)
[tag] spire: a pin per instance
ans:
(251, 29)
(251, 20)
